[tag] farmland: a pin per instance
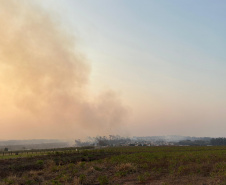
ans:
(116, 165)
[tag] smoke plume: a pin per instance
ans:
(44, 80)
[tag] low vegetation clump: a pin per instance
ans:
(124, 169)
(119, 165)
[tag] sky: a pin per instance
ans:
(75, 68)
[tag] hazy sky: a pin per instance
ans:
(159, 65)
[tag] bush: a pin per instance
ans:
(82, 178)
(103, 180)
(143, 177)
(40, 162)
(97, 168)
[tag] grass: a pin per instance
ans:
(32, 153)
(119, 165)
(22, 155)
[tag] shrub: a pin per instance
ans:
(103, 180)
(97, 168)
(124, 168)
(40, 162)
(55, 182)
(82, 178)
(82, 164)
(143, 177)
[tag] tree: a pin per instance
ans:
(6, 149)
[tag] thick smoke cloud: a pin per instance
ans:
(44, 80)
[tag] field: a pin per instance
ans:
(117, 165)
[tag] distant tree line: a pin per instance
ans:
(111, 140)
(194, 143)
(213, 141)
(218, 141)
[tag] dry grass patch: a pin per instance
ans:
(125, 167)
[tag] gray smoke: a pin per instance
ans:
(44, 80)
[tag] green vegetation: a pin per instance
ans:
(119, 165)
(103, 180)
(218, 141)
(31, 153)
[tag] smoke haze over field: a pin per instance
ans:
(44, 80)
(164, 60)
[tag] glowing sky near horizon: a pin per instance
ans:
(165, 59)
